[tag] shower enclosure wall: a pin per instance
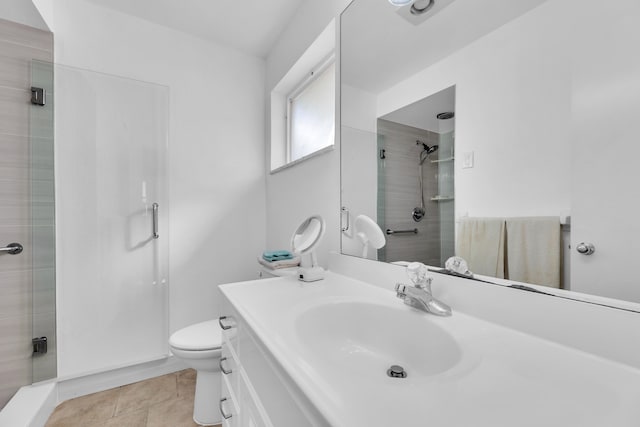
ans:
(399, 195)
(27, 279)
(101, 299)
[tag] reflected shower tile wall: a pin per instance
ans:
(401, 168)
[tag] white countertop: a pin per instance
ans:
(502, 378)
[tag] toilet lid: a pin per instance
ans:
(201, 336)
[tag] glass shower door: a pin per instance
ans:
(112, 202)
(26, 183)
(43, 245)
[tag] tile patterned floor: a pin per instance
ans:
(165, 401)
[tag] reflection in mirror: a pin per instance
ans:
(545, 97)
(369, 234)
(415, 198)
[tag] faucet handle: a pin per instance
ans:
(419, 275)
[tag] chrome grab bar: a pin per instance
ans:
(345, 210)
(222, 411)
(12, 249)
(390, 231)
(155, 207)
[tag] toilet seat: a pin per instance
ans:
(200, 336)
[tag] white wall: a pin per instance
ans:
(216, 165)
(313, 186)
(22, 12)
(513, 141)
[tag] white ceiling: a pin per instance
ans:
(252, 26)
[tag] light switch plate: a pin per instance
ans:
(467, 160)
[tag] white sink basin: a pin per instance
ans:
(365, 338)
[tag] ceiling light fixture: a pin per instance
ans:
(421, 6)
(400, 2)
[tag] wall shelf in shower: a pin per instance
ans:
(439, 198)
(448, 159)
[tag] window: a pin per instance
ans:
(303, 105)
(311, 113)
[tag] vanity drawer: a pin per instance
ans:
(228, 405)
(229, 366)
(230, 325)
(253, 414)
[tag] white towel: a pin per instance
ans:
(534, 250)
(285, 263)
(481, 243)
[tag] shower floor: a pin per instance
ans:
(156, 402)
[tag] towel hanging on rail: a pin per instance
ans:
(481, 243)
(533, 250)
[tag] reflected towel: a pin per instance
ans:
(277, 255)
(274, 265)
(481, 243)
(534, 250)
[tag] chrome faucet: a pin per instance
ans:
(419, 295)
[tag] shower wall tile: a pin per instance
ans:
(15, 354)
(12, 344)
(12, 211)
(13, 373)
(22, 235)
(14, 110)
(19, 121)
(14, 161)
(26, 36)
(15, 64)
(14, 298)
(401, 185)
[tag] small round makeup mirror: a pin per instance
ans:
(308, 235)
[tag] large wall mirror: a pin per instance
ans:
(507, 131)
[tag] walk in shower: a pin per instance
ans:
(27, 233)
(415, 196)
(89, 290)
(402, 175)
(112, 222)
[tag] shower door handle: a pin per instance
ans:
(12, 249)
(154, 219)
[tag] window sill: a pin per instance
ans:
(324, 150)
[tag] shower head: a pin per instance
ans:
(427, 148)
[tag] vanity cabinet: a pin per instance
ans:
(256, 392)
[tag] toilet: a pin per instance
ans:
(199, 346)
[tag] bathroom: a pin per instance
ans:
(226, 195)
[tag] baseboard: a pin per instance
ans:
(70, 388)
